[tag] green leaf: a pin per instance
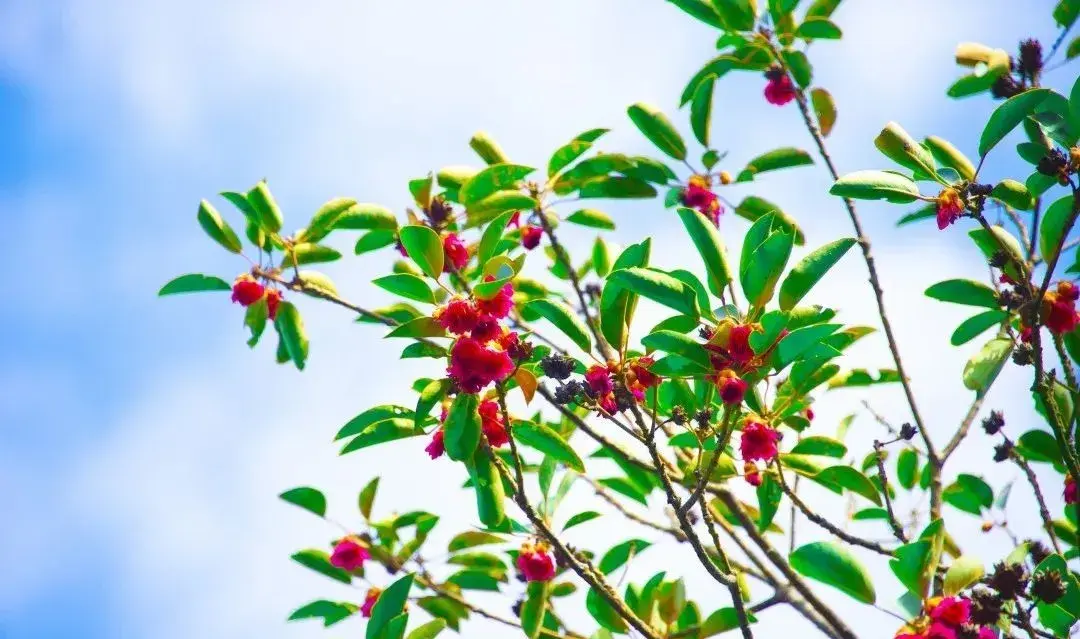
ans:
(876, 185)
(710, 246)
(217, 228)
(702, 10)
(461, 431)
(291, 330)
(983, 368)
(621, 553)
(1013, 194)
(760, 267)
(364, 217)
(948, 155)
(407, 286)
(924, 213)
(389, 605)
(961, 291)
(424, 247)
(573, 150)
(563, 319)
(306, 253)
(472, 539)
(737, 15)
(799, 66)
(497, 177)
(380, 432)
(592, 218)
(997, 239)
(367, 497)
(722, 620)
(418, 327)
(616, 187)
(819, 29)
(374, 241)
(976, 325)
(307, 498)
(824, 110)
(965, 571)
(602, 612)
(601, 257)
(487, 148)
(822, 8)
(1061, 615)
(678, 344)
(547, 441)
(911, 566)
(373, 415)
(1052, 231)
(265, 208)
(701, 109)
(1008, 116)
(833, 565)
(850, 479)
(969, 494)
(324, 219)
(319, 561)
(657, 286)
(581, 518)
(658, 129)
(194, 283)
(330, 612)
(810, 270)
(1066, 12)
(428, 630)
(783, 158)
(898, 146)
(489, 241)
(533, 609)
(906, 464)
(488, 486)
(820, 445)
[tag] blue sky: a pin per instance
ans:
(143, 444)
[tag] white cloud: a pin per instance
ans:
(332, 98)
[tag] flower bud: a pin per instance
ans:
(907, 431)
(994, 423)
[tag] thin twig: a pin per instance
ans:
(894, 523)
(1044, 512)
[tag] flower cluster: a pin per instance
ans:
(732, 357)
(246, 290)
(780, 89)
(946, 618)
(485, 351)
(535, 562)
(698, 195)
(636, 376)
(491, 423)
(758, 443)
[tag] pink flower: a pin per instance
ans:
(949, 207)
(599, 379)
(732, 388)
(535, 562)
(751, 474)
(531, 236)
(939, 630)
(780, 90)
(246, 291)
(437, 447)
(473, 366)
(1071, 494)
(698, 195)
(492, 423)
(273, 300)
(349, 555)
(952, 610)
(459, 316)
(758, 442)
(501, 304)
(369, 601)
(486, 329)
(457, 256)
(608, 404)
(986, 632)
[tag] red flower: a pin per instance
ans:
(732, 388)
(640, 375)
(515, 219)
(500, 304)
(1025, 334)
(531, 236)
(369, 601)
(952, 610)
(599, 379)
(949, 207)
(939, 630)
(780, 89)
(246, 291)
(514, 347)
(349, 555)
(437, 446)
(1071, 494)
(698, 195)
(986, 632)
(608, 404)
(492, 424)
(1005, 279)
(459, 316)
(535, 562)
(457, 256)
(473, 366)
(486, 329)
(1059, 309)
(809, 414)
(739, 344)
(758, 442)
(273, 300)
(751, 474)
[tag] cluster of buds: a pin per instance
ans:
(780, 89)
(491, 424)
(610, 388)
(732, 357)
(698, 195)
(948, 618)
(485, 351)
(759, 443)
(246, 290)
(1058, 165)
(535, 562)
(1023, 72)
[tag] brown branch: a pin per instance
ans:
(606, 495)
(965, 426)
(894, 523)
(1044, 512)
